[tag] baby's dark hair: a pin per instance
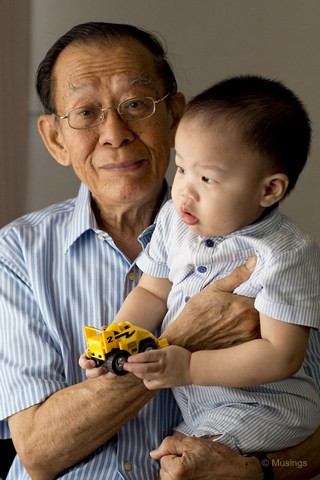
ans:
(271, 119)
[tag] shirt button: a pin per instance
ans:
(101, 237)
(128, 466)
(209, 242)
(132, 276)
(202, 269)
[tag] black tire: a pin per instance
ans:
(98, 363)
(115, 361)
(147, 344)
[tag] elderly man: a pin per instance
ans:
(111, 111)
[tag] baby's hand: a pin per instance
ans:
(162, 368)
(90, 367)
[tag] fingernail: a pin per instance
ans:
(251, 263)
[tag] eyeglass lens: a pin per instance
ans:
(132, 109)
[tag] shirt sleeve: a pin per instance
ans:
(30, 363)
(291, 286)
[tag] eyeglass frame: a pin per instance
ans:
(102, 116)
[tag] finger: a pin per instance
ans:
(235, 278)
(166, 470)
(96, 372)
(142, 370)
(86, 363)
(149, 356)
(108, 374)
(152, 384)
(169, 446)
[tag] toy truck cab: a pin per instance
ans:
(117, 342)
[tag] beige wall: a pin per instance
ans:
(207, 41)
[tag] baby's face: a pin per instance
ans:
(220, 182)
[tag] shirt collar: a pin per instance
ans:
(83, 218)
(165, 198)
(266, 225)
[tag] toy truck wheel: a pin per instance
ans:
(147, 344)
(98, 362)
(115, 362)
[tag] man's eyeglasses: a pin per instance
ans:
(137, 108)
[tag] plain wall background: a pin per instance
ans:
(207, 41)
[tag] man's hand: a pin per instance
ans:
(216, 318)
(90, 367)
(190, 458)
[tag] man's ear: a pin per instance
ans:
(274, 189)
(53, 139)
(176, 107)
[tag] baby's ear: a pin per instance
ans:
(53, 139)
(275, 187)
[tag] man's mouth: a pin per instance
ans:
(129, 166)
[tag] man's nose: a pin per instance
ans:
(114, 131)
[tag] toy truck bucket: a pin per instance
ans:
(96, 342)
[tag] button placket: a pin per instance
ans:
(132, 275)
(202, 269)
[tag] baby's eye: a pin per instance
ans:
(180, 170)
(208, 180)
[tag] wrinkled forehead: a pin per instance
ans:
(125, 62)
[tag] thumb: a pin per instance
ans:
(235, 278)
(169, 446)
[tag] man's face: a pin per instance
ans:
(120, 161)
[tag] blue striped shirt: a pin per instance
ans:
(59, 272)
(286, 286)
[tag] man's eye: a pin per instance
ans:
(135, 108)
(87, 112)
(136, 103)
(208, 180)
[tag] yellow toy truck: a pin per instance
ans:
(113, 345)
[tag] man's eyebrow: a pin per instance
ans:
(77, 88)
(143, 79)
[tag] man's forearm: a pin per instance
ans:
(72, 423)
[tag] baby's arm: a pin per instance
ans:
(275, 356)
(278, 354)
(146, 305)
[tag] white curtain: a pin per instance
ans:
(14, 64)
